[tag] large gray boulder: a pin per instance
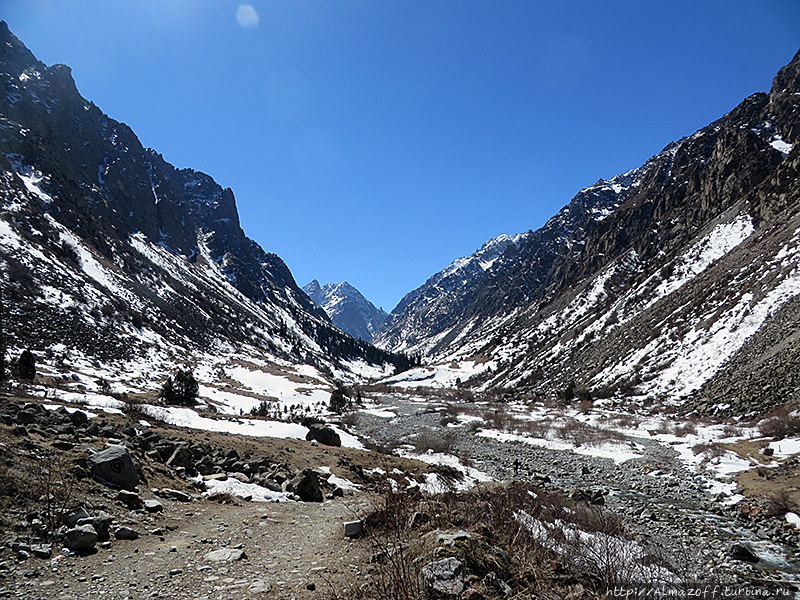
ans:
(115, 468)
(443, 577)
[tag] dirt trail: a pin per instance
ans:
(289, 547)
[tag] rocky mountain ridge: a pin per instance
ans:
(111, 252)
(349, 310)
(647, 284)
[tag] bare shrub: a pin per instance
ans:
(396, 576)
(536, 429)
(684, 429)
(42, 483)
(382, 447)
(711, 450)
(731, 430)
(138, 410)
(781, 422)
(580, 433)
(350, 418)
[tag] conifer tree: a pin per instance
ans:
(182, 390)
(26, 365)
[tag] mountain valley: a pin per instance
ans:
(606, 404)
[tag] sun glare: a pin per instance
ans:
(247, 16)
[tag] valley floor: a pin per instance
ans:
(671, 491)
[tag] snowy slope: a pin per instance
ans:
(113, 258)
(678, 280)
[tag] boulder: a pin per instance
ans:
(115, 468)
(82, 538)
(78, 418)
(173, 494)
(353, 529)
(101, 523)
(444, 577)
(305, 485)
(130, 499)
(74, 517)
(182, 457)
(323, 434)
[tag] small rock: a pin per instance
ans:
(445, 577)
(152, 505)
(130, 499)
(71, 519)
(353, 529)
(259, 586)
(492, 581)
(446, 538)
(126, 533)
(174, 572)
(44, 551)
(225, 555)
(174, 495)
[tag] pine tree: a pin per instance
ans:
(26, 365)
(338, 402)
(182, 390)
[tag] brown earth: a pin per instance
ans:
(293, 549)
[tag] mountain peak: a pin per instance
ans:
(131, 256)
(349, 310)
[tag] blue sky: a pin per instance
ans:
(376, 141)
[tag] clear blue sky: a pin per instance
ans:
(375, 141)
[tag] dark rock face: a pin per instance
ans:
(114, 467)
(625, 236)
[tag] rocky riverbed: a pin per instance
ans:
(664, 499)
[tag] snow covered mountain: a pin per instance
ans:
(679, 279)
(112, 256)
(349, 310)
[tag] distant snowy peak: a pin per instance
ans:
(349, 310)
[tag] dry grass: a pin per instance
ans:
(580, 551)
